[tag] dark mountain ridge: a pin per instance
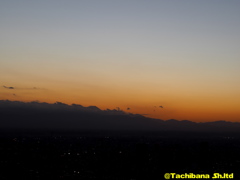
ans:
(60, 116)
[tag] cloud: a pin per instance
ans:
(33, 88)
(10, 87)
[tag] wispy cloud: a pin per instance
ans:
(33, 88)
(10, 87)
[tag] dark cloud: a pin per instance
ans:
(10, 87)
(33, 88)
(158, 106)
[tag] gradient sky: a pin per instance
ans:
(183, 55)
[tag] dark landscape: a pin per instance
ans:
(58, 141)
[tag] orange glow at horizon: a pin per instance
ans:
(175, 106)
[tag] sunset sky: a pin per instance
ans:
(182, 55)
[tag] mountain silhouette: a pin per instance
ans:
(60, 116)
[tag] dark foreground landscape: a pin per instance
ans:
(108, 155)
(59, 141)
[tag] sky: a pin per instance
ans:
(182, 55)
